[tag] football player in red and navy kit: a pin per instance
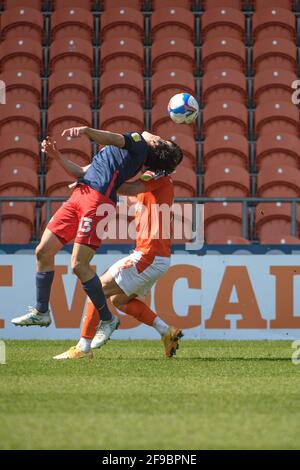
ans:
(122, 158)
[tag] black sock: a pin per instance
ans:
(94, 291)
(43, 290)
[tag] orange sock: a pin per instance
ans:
(140, 311)
(90, 323)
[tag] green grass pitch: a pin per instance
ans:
(213, 395)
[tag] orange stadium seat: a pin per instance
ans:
(274, 53)
(278, 181)
(273, 85)
(225, 116)
(225, 149)
(22, 85)
(20, 117)
(223, 22)
(12, 176)
(72, 22)
(223, 53)
(163, 126)
(187, 4)
(278, 117)
(208, 4)
(171, 22)
(167, 83)
(70, 85)
(122, 117)
(87, 5)
(224, 84)
(188, 146)
(260, 4)
(64, 115)
(185, 182)
(280, 149)
(37, 4)
(122, 85)
(78, 150)
(137, 4)
(273, 223)
(230, 180)
(22, 22)
(17, 218)
(122, 22)
(20, 150)
(122, 54)
(173, 53)
(71, 53)
(223, 223)
(57, 185)
(274, 22)
(21, 54)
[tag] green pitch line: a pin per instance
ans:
(214, 394)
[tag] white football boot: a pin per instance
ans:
(104, 332)
(33, 318)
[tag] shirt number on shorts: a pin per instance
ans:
(85, 225)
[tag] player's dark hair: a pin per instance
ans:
(164, 157)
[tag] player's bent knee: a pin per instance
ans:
(41, 253)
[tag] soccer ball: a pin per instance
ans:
(183, 108)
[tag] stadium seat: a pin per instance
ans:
(20, 150)
(70, 85)
(277, 117)
(163, 126)
(273, 223)
(273, 85)
(58, 4)
(122, 54)
(167, 83)
(224, 84)
(72, 23)
(137, 4)
(173, 53)
(187, 145)
(260, 4)
(21, 54)
(223, 224)
(122, 85)
(122, 117)
(208, 4)
(185, 182)
(222, 181)
(276, 181)
(280, 149)
(22, 22)
(20, 176)
(57, 185)
(22, 85)
(20, 117)
(17, 218)
(65, 115)
(157, 4)
(37, 4)
(70, 54)
(172, 22)
(122, 22)
(223, 22)
(78, 150)
(275, 54)
(222, 117)
(226, 150)
(274, 22)
(223, 53)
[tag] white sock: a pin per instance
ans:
(84, 345)
(160, 326)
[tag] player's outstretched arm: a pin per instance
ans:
(74, 170)
(101, 137)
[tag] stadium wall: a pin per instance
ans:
(211, 297)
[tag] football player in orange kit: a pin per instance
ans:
(134, 275)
